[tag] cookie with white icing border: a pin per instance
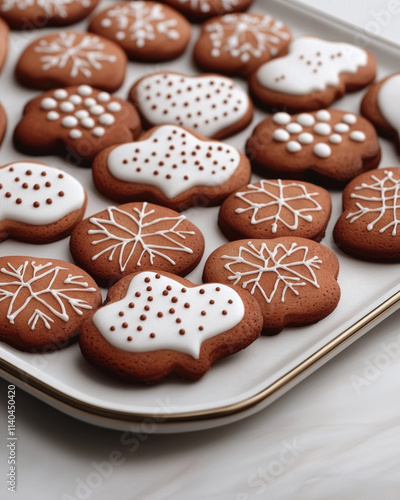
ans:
(198, 11)
(43, 302)
(381, 106)
(4, 31)
(135, 237)
(329, 147)
(237, 44)
(212, 105)
(3, 123)
(39, 204)
(76, 122)
(313, 75)
(369, 228)
(171, 166)
(271, 208)
(157, 324)
(146, 31)
(36, 14)
(72, 58)
(294, 280)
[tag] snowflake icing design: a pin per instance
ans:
(85, 55)
(140, 237)
(204, 5)
(280, 202)
(278, 263)
(384, 199)
(246, 36)
(142, 22)
(27, 290)
(50, 7)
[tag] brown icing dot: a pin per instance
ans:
(28, 172)
(24, 185)
(217, 288)
(147, 280)
(201, 328)
(60, 176)
(203, 313)
(149, 288)
(224, 312)
(169, 288)
(182, 331)
(139, 328)
(152, 335)
(16, 179)
(43, 174)
(143, 317)
(158, 276)
(124, 325)
(8, 195)
(138, 294)
(49, 201)
(202, 291)
(131, 305)
(160, 314)
(150, 299)
(187, 305)
(172, 310)
(174, 299)
(165, 293)
(121, 313)
(11, 169)
(61, 194)
(178, 320)
(230, 301)
(36, 204)
(48, 184)
(183, 290)
(147, 308)
(36, 187)
(129, 339)
(212, 302)
(18, 201)
(112, 328)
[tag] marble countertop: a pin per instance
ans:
(335, 436)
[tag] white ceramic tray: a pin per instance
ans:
(238, 385)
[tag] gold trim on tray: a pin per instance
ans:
(269, 393)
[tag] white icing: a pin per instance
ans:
(323, 115)
(281, 135)
(87, 122)
(255, 269)
(24, 190)
(335, 139)
(349, 119)
(281, 118)
(322, 150)
(67, 107)
(134, 232)
(294, 128)
(207, 104)
(75, 134)
(89, 102)
(357, 136)
(114, 107)
(103, 97)
(305, 138)
(128, 161)
(293, 147)
(97, 109)
(84, 90)
(69, 121)
(52, 116)
(342, 128)
(48, 103)
(98, 132)
(306, 120)
(33, 287)
(322, 129)
(311, 65)
(75, 99)
(60, 94)
(287, 210)
(205, 5)
(158, 322)
(106, 119)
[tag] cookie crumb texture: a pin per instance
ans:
(38, 203)
(200, 10)
(211, 105)
(323, 146)
(146, 31)
(369, 225)
(76, 122)
(43, 302)
(171, 166)
(36, 14)
(136, 237)
(294, 280)
(274, 208)
(157, 324)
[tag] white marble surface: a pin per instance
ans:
(335, 436)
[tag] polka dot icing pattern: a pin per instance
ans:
(206, 104)
(84, 110)
(159, 313)
(311, 65)
(33, 193)
(318, 129)
(174, 161)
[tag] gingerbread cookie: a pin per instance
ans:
(136, 237)
(198, 11)
(273, 208)
(39, 204)
(212, 105)
(368, 227)
(158, 324)
(237, 44)
(147, 31)
(171, 166)
(292, 279)
(381, 106)
(76, 122)
(43, 302)
(313, 75)
(3, 123)
(72, 58)
(326, 146)
(34, 14)
(3, 42)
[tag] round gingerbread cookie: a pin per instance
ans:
(368, 227)
(381, 106)
(274, 208)
(72, 58)
(147, 31)
(43, 302)
(76, 122)
(4, 31)
(3, 123)
(211, 105)
(171, 166)
(329, 147)
(136, 237)
(293, 279)
(237, 44)
(39, 204)
(156, 324)
(35, 14)
(313, 75)
(198, 11)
